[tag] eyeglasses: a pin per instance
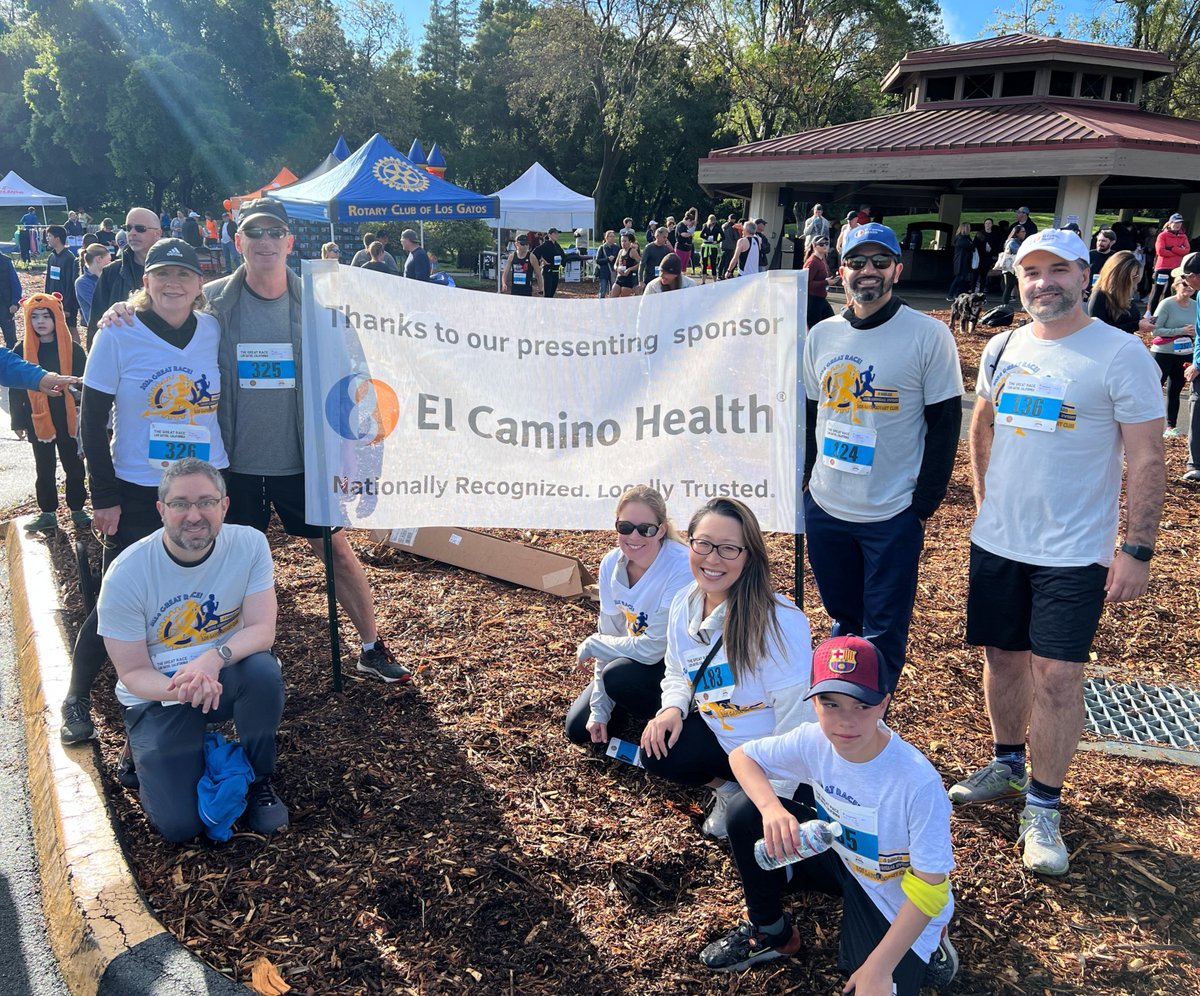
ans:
(726, 551)
(881, 261)
(204, 504)
(627, 528)
(143, 229)
(257, 232)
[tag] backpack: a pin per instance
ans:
(998, 318)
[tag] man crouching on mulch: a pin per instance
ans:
(188, 618)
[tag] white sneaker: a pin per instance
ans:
(716, 822)
(1045, 851)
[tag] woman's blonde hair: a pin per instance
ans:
(140, 300)
(328, 246)
(657, 504)
(1118, 279)
(750, 612)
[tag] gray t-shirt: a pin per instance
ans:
(871, 387)
(266, 437)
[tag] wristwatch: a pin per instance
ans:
(1142, 553)
(227, 654)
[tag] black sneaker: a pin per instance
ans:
(126, 772)
(77, 723)
(747, 945)
(943, 963)
(265, 811)
(380, 662)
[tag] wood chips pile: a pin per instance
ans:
(446, 838)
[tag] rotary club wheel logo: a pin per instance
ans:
(400, 175)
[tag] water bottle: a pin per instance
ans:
(816, 836)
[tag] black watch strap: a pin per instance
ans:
(1142, 553)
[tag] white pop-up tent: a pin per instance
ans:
(536, 200)
(16, 192)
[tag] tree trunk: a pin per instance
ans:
(610, 159)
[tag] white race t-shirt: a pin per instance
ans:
(745, 709)
(166, 398)
(871, 387)
(1054, 475)
(180, 611)
(893, 808)
(633, 618)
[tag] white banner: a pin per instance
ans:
(432, 406)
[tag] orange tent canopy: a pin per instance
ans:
(282, 179)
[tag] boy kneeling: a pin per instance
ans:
(891, 864)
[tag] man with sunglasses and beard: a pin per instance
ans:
(124, 274)
(884, 411)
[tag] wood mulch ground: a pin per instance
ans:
(446, 838)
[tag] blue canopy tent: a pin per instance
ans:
(378, 184)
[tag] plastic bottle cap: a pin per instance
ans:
(835, 828)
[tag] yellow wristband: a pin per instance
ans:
(929, 899)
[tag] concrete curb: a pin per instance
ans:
(104, 935)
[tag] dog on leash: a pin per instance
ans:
(965, 312)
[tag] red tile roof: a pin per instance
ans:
(1037, 126)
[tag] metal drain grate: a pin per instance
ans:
(1159, 721)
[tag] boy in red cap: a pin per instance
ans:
(892, 862)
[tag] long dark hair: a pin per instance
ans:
(750, 611)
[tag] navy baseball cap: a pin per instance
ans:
(871, 232)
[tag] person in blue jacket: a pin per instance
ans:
(16, 372)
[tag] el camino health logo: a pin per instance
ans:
(362, 408)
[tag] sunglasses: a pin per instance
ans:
(627, 528)
(143, 229)
(881, 261)
(257, 232)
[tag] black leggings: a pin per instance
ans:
(863, 925)
(1170, 366)
(1158, 290)
(696, 759)
(139, 518)
(45, 485)
(634, 687)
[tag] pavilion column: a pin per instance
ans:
(949, 213)
(1189, 207)
(1077, 197)
(764, 203)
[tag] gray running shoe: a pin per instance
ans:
(380, 662)
(994, 780)
(1045, 851)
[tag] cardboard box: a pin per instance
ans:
(527, 566)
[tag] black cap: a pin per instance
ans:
(523, 239)
(262, 207)
(172, 252)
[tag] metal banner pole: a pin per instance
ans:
(335, 648)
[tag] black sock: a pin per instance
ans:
(1013, 755)
(1041, 794)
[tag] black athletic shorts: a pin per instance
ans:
(1053, 611)
(252, 496)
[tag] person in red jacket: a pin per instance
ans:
(1170, 247)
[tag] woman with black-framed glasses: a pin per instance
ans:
(738, 664)
(637, 580)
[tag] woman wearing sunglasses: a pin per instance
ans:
(638, 579)
(738, 664)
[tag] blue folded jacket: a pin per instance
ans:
(221, 792)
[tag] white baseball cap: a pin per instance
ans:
(1059, 241)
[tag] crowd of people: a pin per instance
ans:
(187, 454)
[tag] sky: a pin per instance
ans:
(965, 19)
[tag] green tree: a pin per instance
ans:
(604, 56)
(792, 65)
(1035, 17)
